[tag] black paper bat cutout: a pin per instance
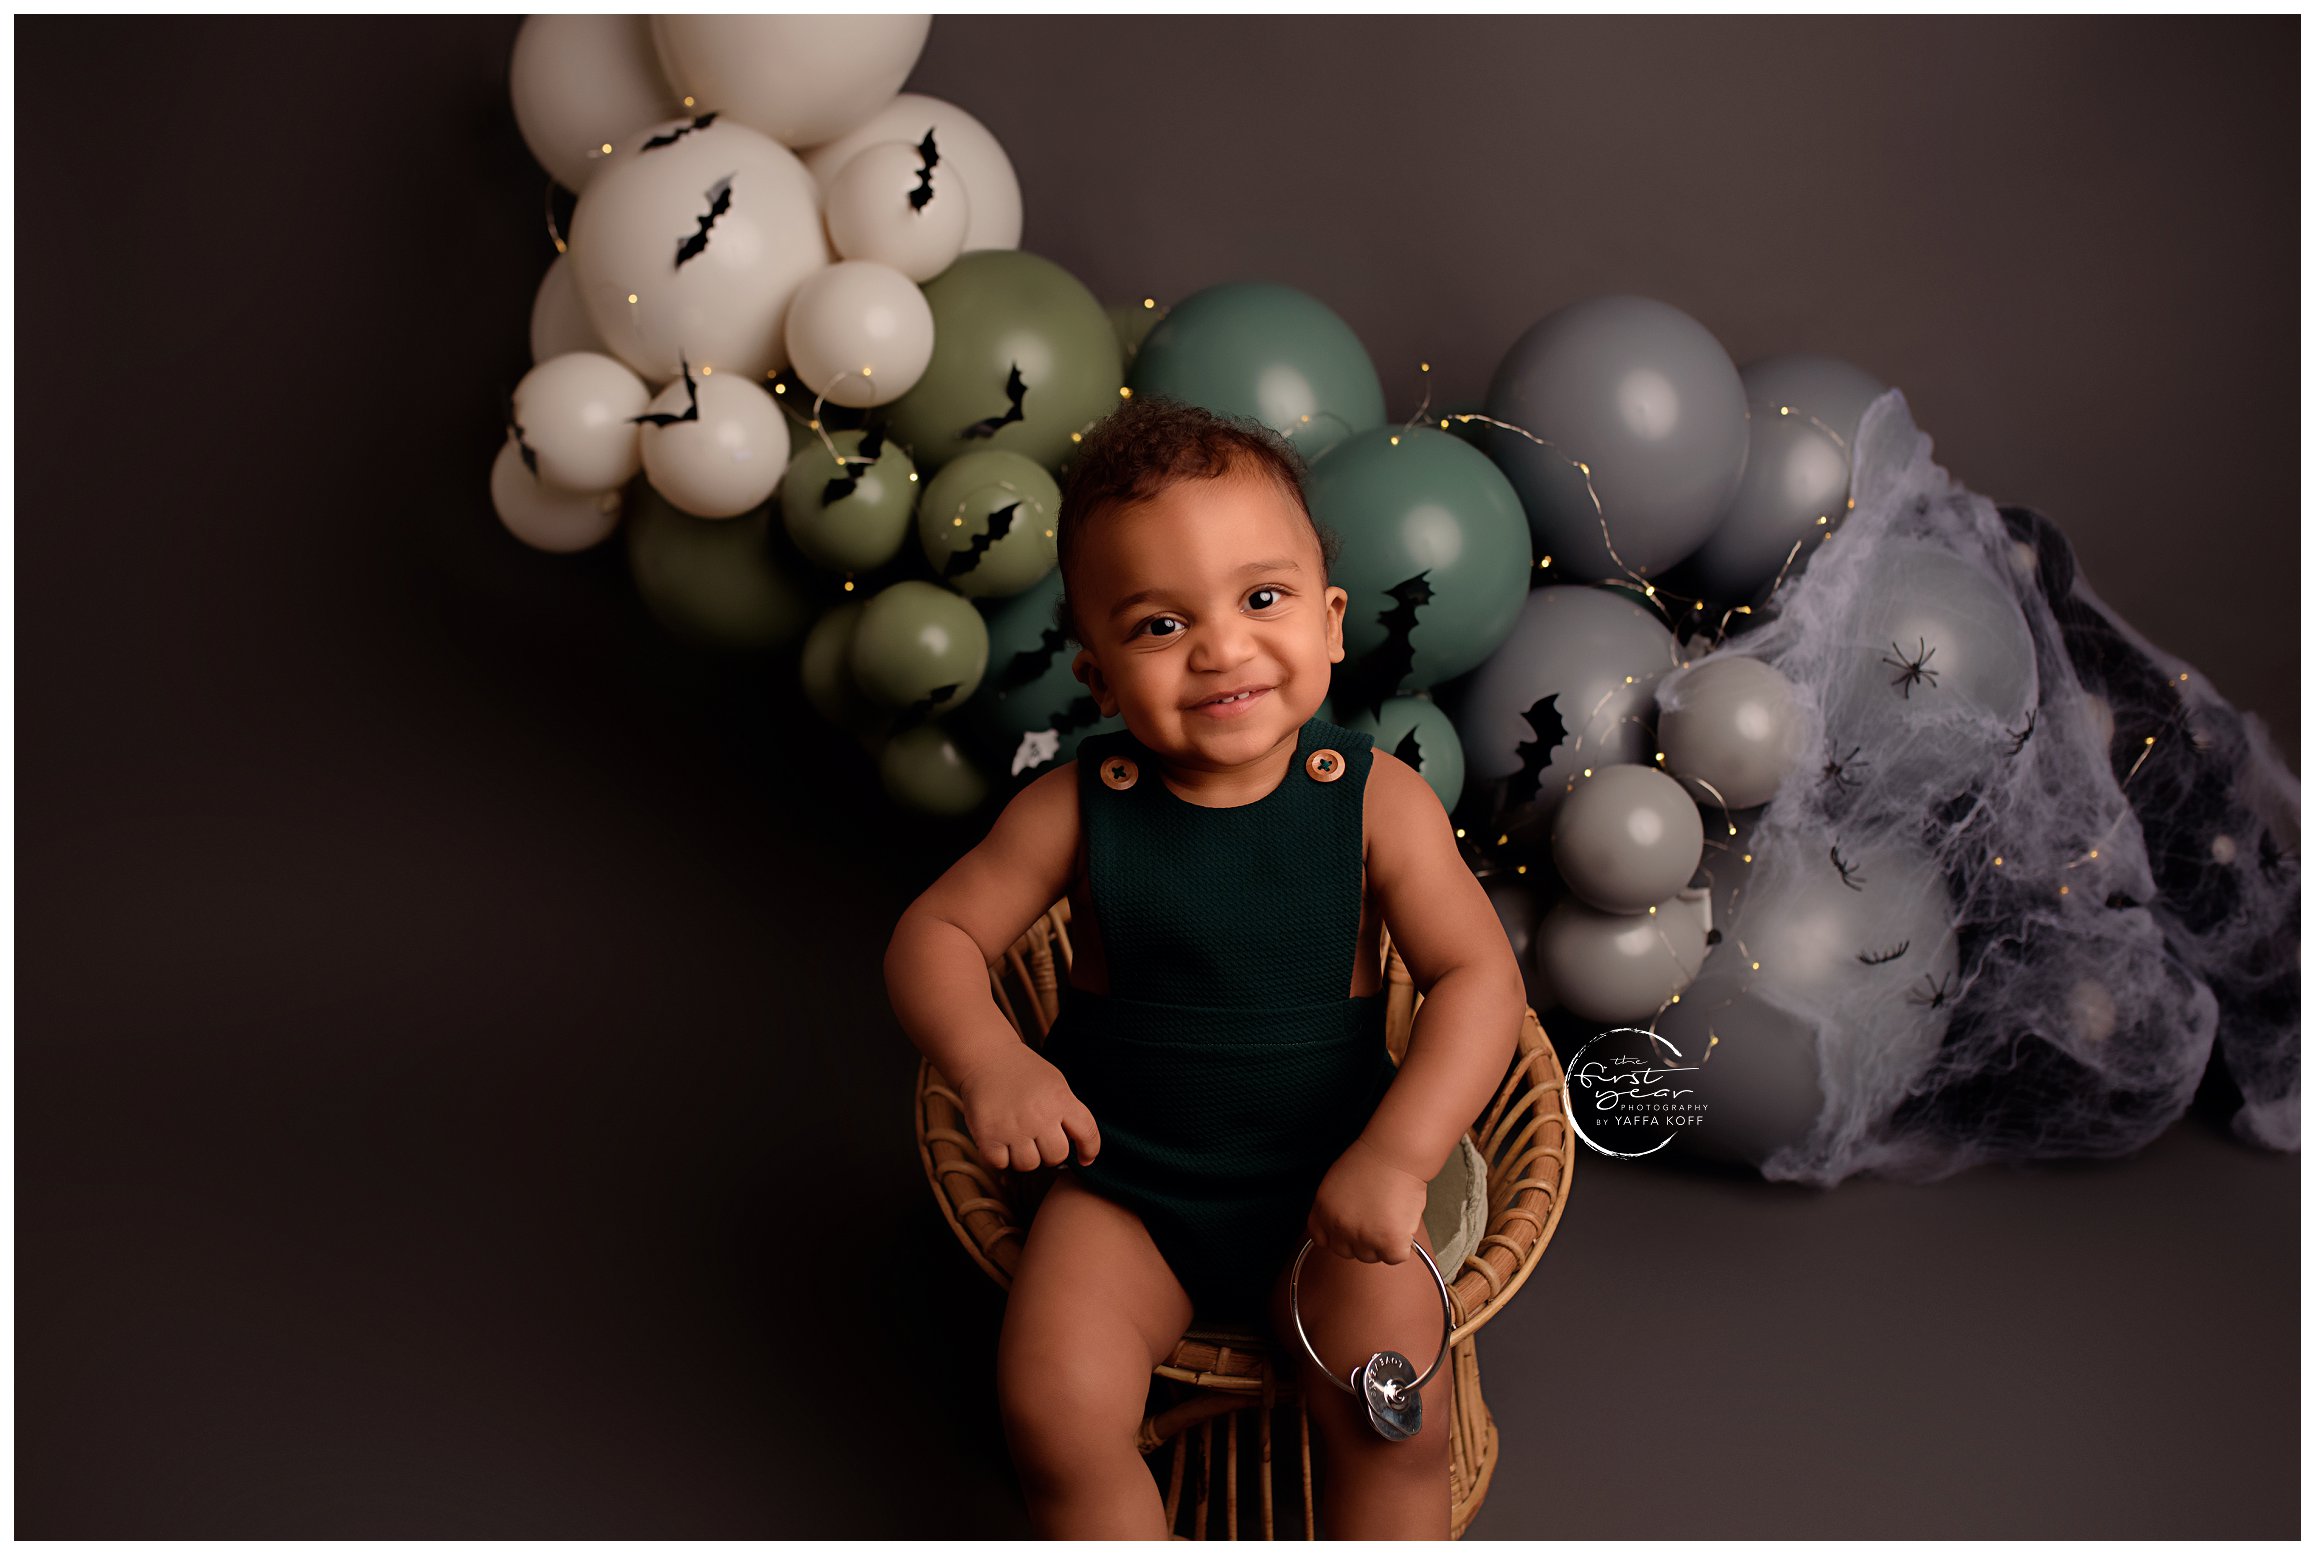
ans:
(1382, 672)
(1410, 750)
(1015, 390)
(1000, 525)
(845, 482)
(668, 418)
(1030, 664)
(676, 134)
(921, 195)
(530, 456)
(719, 201)
(1535, 755)
(923, 707)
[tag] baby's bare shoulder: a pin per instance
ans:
(1021, 868)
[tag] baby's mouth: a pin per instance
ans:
(1231, 705)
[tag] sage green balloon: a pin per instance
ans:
(997, 312)
(919, 647)
(1435, 554)
(1133, 321)
(1417, 731)
(826, 672)
(1031, 709)
(715, 581)
(851, 517)
(1258, 349)
(960, 511)
(924, 768)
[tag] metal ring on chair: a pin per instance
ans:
(1294, 1310)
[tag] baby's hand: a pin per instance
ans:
(1367, 1208)
(1023, 1115)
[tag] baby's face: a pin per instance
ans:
(1211, 585)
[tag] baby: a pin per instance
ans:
(1217, 1086)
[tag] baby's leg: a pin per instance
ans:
(1094, 1307)
(1370, 1488)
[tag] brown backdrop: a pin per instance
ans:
(455, 1095)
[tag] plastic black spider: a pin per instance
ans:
(1849, 877)
(1837, 772)
(1914, 671)
(2018, 740)
(1939, 991)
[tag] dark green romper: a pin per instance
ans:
(1227, 1066)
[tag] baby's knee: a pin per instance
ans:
(1066, 1397)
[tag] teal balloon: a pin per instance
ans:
(1435, 553)
(925, 769)
(919, 648)
(966, 505)
(1417, 731)
(1270, 352)
(715, 581)
(1031, 710)
(998, 313)
(849, 517)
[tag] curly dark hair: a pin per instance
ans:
(1150, 443)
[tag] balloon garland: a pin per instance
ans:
(1758, 729)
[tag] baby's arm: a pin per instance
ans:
(1018, 1107)
(1465, 1032)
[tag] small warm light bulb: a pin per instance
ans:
(707, 372)
(1627, 680)
(847, 585)
(1522, 869)
(814, 424)
(2150, 739)
(1732, 832)
(1756, 966)
(1587, 772)
(1659, 755)
(630, 296)
(1426, 367)
(956, 523)
(1997, 861)
(1545, 562)
(1675, 997)
(2065, 890)
(912, 475)
(1458, 831)
(687, 102)
(2093, 852)
(1651, 912)
(606, 148)
(867, 372)
(1394, 442)
(1442, 423)
(1077, 437)
(1125, 394)
(1149, 302)
(1500, 841)
(779, 388)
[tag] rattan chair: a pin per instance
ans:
(1523, 1138)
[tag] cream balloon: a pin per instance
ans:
(559, 322)
(726, 460)
(581, 84)
(575, 413)
(799, 79)
(992, 190)
(544, 517)
(860, 333)
(692, 249)
(874, 213)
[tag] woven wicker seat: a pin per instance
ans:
(1219, 1372)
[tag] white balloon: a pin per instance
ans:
(726, 461)
(546, 517)
(559, 324)
(860, 333)
(574, 413)
(692, 248)
(581, 83)
(800, 79)
(993, 191)
(873, 212)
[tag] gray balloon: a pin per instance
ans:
(1795, 488)
(1935, 671)
(1610, 966)
(1572, 687)
(1725, 870)
(1627, 837)
(1645, 397)
(1728, 725)
(1756, 1065)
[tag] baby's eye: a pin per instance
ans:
(1152, 621)
(1275, 595)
